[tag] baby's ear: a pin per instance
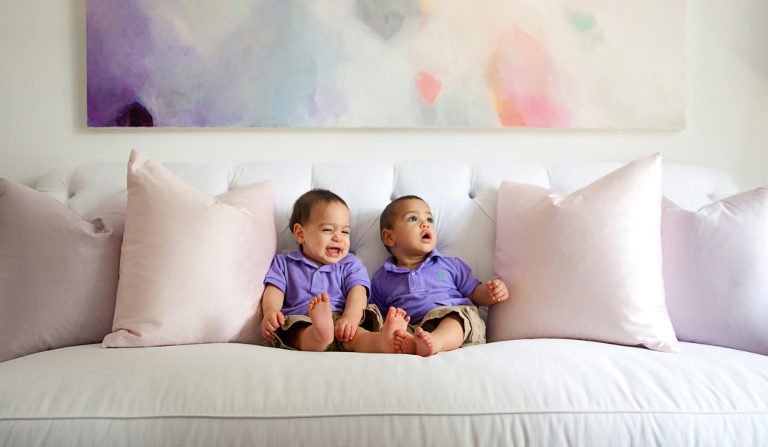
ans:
(298, 233)
(387, 237)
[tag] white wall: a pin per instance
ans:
(42, 109)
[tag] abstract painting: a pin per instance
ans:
(571, 64)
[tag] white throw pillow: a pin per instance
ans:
(586, 265)
(716, 271)
(192, 265)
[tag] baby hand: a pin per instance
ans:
(345, 328)
(272, 320)
(497, 289)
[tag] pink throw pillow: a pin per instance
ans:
(586, 265)
(716, 271)
(192, 265)
(58, 272)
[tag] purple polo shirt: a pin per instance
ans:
(438, 281)
(301, 280)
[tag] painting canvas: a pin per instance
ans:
(594, 64)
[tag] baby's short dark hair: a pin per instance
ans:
(304, 204)
(387, 219)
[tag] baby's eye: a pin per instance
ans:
(346, 232)
(327, 230)
(430, 220)
(411, 218)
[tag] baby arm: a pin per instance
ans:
(489, 293)
(347, 324)
(271, 303)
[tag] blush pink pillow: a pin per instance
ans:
(58, 271)
(586, 265)
(716, 271)
(192, 265)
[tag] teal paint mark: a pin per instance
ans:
(586, 24)
(582, 21)
(442, 276)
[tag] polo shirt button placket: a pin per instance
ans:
(319, 282)
(416, 282)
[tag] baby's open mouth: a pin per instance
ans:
(426, 237)
(333, 251)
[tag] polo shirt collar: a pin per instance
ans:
(299, 257)
(390, 264)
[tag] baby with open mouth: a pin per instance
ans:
(438, 293)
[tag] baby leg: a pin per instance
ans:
(319, 334)
(447, 336)
(384, 341)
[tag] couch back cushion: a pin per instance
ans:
(58, 271)
(192, 265)
(463, 197)
(585, 265)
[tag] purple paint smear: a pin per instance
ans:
(115, 79)
(325, 104)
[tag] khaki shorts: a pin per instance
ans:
(371, 321)
(474, 326)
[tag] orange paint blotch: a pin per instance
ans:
(429, 87)
(520, 92)
(506, 106)
(508, 113)
(428, 6)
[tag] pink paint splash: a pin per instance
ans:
(519, 77)
(428, 86)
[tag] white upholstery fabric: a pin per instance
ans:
(543, 392)
(525, 429)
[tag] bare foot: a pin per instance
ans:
(320, 313)
(396, 321)
(425, 345)
(404, 342)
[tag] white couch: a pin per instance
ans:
(525, 392)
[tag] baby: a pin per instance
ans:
(438, 293)
(316, 298)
